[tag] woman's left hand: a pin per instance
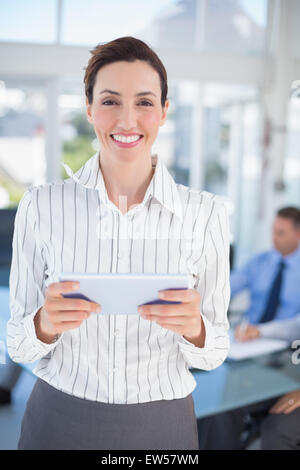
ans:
(183, 318)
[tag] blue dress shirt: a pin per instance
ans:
(257, 276)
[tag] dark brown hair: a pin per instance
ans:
(126, 48)
(292, 213)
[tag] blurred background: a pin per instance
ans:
(233, 126)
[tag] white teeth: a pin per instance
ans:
(122, 138)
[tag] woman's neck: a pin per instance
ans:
(126, 182)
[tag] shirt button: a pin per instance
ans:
(115, 369)
(116, 332)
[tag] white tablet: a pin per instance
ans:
(122, 293)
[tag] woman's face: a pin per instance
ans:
(126, 111)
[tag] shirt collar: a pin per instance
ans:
(162, 186)
(289, 259)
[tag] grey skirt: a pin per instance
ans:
(56, 420)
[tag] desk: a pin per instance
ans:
(236, 384)
(232, 385)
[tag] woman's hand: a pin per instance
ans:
(184, 318)
(60, 314)
(287, 403)
(246, 333)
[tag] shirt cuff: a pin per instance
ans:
(187, 346)
(42, 348)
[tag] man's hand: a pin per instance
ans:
(246, 333)
(183, 318)
(287, 403)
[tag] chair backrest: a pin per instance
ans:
(231, 256)
(7, 220)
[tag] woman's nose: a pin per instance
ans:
(127, 117)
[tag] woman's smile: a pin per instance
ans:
(126, 141)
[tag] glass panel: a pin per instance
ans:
(22, 141)
(221, 122)
(246, 238)
(231, 155)
(236, 26)
(295, 32)
(79, 141)
(174, 142)
(28, 21)
(157, 22)
(292, 166)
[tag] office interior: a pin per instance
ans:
(233, 126)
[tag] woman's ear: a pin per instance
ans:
(88, 111)
(164, 113)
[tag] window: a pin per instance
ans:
(292, 166)
(79, 141)
(235, 26)
(231, 156)
(22, 140)
(28, 21)
(155, 21)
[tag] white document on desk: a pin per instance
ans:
(256, 347)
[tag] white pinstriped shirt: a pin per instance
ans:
(71, 225)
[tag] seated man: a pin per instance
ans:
(273, 279)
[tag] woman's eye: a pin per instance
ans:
(108, 102)
(146, 103)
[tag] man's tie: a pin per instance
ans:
(274, 296)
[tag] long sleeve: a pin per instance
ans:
(26, 284)
(288, 330)
(214, 288)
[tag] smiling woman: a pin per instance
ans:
(118, 381)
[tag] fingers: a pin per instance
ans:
(57, 303)
(180, 295)
(279, 406)
(180, 317)
(237, 333)
(69, 310)
(240, 334)
(286, 404)
(291, 408)
(71, 304)
(67, 316)
(157, 310)
(66, 313)
(245, 334)
(57, 288)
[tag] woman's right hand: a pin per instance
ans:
(60, 314)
